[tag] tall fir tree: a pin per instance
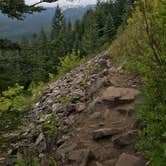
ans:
(57, 23)
(109, 29)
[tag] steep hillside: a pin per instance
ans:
(85, 118)
(109, 110)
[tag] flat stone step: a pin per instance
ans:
(119, 94)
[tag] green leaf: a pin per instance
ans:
(164, 134)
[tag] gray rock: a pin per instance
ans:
(96, 115)
(81, 157)
(99, 83)
(62, 140)
(69, 109)
(39, 139)
(41, 155)
(2, 159)
(80, 107)
(64, 149)
(103, 63)
(55, 107)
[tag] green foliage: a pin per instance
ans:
(13, 105)
(18, 8)
(32, 162)
(49, 128)
(69, 62)
(33, 60)
(62, 100)
(152, 116)
(36, 88)
(141, 46)
(11, 92)
(51, 77)
(35, 91)
(58, 23)
(7, 44)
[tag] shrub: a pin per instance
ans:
(142, 49)
(13, 105)
(69, 62)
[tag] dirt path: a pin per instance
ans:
(104, 133)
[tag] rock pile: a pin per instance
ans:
(86, 118)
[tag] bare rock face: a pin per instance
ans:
(129, 160)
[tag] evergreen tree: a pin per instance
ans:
(34, 59)
(43, 43)
(69, 37)
(18, 8)
(90, 36)
(9, 69)
(57, 23)
(109, 29)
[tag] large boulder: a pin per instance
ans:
(129, 160)
(120, 95)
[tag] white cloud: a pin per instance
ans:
(64, 3)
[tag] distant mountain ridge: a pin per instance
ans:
(15, 29)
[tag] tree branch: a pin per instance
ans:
(41, 1)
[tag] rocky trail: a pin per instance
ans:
(86, 118)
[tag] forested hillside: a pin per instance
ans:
(35, 59)
(53, 88)
(33, 23)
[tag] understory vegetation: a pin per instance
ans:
(140, 46)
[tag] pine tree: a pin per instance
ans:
(57, 23)
(69, 37)
(89, 39)
(109, 29)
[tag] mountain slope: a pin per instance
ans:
(14, 29)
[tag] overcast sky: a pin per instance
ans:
(64, 2)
